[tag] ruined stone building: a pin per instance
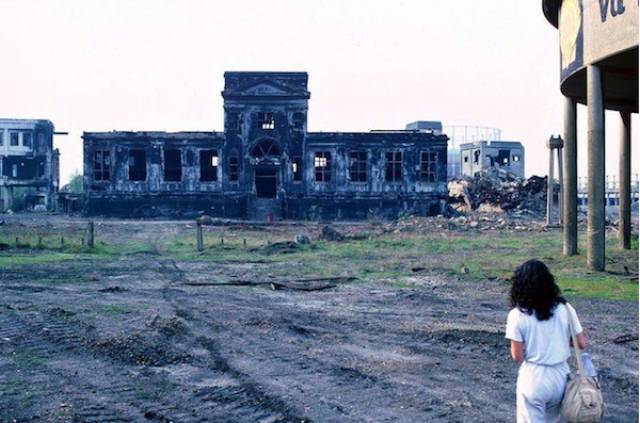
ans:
(265, 164)
(479, 156)
(29, 165)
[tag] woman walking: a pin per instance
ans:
(538, 327)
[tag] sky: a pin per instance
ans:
(158, 65)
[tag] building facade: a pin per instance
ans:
(265, 164)
(480, 156)
(29, 165)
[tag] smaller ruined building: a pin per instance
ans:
(266, 164)
(480, 156)
(29, 165)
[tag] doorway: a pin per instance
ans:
(266, 183)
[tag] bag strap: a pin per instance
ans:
(576, 349)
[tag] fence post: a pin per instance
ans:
(199, 240)
(90, 234)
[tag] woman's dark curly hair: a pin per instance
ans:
(534, 289)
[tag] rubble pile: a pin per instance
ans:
(499, 191)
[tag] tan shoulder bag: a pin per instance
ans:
(582, 401)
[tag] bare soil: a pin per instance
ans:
(131, 339)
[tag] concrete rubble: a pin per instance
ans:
(498, 191)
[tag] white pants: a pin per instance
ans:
(539, 392)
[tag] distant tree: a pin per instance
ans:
(75, 184)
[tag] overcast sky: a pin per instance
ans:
(158, 65)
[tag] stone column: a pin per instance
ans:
(550, 186)
(561, 193)
(625, 180)
(595, 162)
(570, 193)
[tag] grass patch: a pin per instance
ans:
(26, 360)
(121, 308)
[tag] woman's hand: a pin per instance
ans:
(517, 351)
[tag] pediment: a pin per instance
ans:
(264, 89)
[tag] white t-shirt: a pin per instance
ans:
(545, 342)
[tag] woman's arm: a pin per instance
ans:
(582, 341)
(517, 351)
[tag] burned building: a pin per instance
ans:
(29, 165)
(265, 164)
(479, 156)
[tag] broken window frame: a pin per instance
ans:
(393, 166)
(172, 173)
(27, 139)
(137, 172)
(358, 166)
(296, 169)
(14, 138)
(234, 167)
(209, 162)
(267, 120)
(428, 166)
(503, 158)
(476, 156)
(102, 165)
(298, 120)
(322, 166)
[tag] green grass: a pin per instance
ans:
(26, 360)
(121, 308)
(482, 256)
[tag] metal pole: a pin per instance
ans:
(550, 187)
(625, 180)
(570, 203)
(595, 161)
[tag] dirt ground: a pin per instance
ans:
(129, 337)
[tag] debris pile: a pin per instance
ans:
(499, 191)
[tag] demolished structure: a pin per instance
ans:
(29, 165)
(481, 156)
(266, 165)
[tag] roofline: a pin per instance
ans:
(551, 8)
(270, 73)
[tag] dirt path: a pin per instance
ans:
(133, 343)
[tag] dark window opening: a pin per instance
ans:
(296, 168)
(466, 159)
(298, 120)
(491, 160)
(358, 166)
(476, 156)
(322, 165)
(428, 166)
(27, 139)
(516, 158)
(101, 165)
(504, 157)
(267, 120)
(208, 165)
(234, 162)
(172, 165)
(265, 148)
(14, 138)
(393, 166)
(233, 121)
(137, 165)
